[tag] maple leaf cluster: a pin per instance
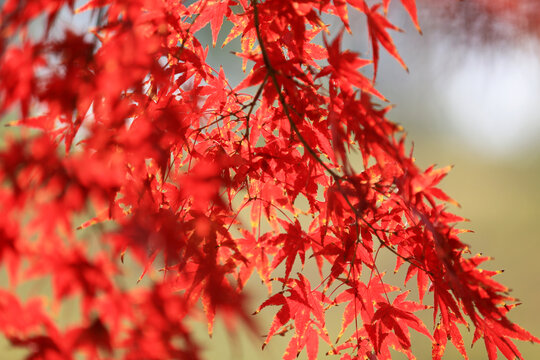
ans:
(130, 123)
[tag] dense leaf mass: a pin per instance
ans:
(127, 131)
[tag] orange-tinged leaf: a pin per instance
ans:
(312, 343)
(377, 25)
(219, 12)
(341, 9)
(103, 215)
(239, 27)
(439, 194)
(410, 6)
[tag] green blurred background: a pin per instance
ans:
(471, 104)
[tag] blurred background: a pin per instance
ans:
(470, 99)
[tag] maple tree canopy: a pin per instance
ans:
(127, 144)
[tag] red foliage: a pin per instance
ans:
(129, 122)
